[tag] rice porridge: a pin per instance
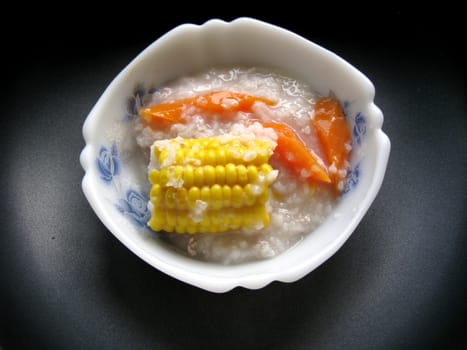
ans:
(243, 162)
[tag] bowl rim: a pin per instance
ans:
(219, 281)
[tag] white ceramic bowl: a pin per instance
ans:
(115, 175)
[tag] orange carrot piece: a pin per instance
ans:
(214, 102)
(293, 152)
(165, 113)
(334, 135)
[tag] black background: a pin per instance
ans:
(398, 283)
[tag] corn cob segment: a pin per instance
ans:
(211, 221)
(216, 196)
(229, 174)
(212, 151)
(210, 185)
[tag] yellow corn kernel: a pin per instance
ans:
(220, 174)
(153, 176)
(210, 157)
(156, 222)
(188, 176)
(263, 215)
(155, 191)
(235, 221)
(194, 194)
(198, 176)
(170, 198)
(177, 172)
(220, 156)
(172, 219)
(213, 143)
(242, 174)
(230, 174)
(209, 173)
(265, 168)
(263, 197)
(216, 197)
(226, 195)
(247, 219)
(179, 156)
(205, 194)
(201, 156)
(250, 197)
(191, 229)
(189, 153)
(216, 220)
(163, 155)
(181, 198)
(252, 173)
(182, 221)
(262, 156)
(163, 176)
(237, 196)
(205, 222)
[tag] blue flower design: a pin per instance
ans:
(135, 206)
(359, 129)
(138, 100)
(353, 177)
(346, 108)
(108, 163)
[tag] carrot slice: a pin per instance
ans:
(214, 102)
(292, 151)
(165, 113)
(334, 135)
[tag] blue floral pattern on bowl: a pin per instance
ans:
(134, 205)
(359, 128)
(108, 163)
(138, 100)
(130, 202)
(359, 123)
(353, 177)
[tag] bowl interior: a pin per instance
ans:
(116, 184)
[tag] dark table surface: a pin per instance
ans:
(398, 283)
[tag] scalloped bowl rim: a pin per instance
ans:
(294, 263)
